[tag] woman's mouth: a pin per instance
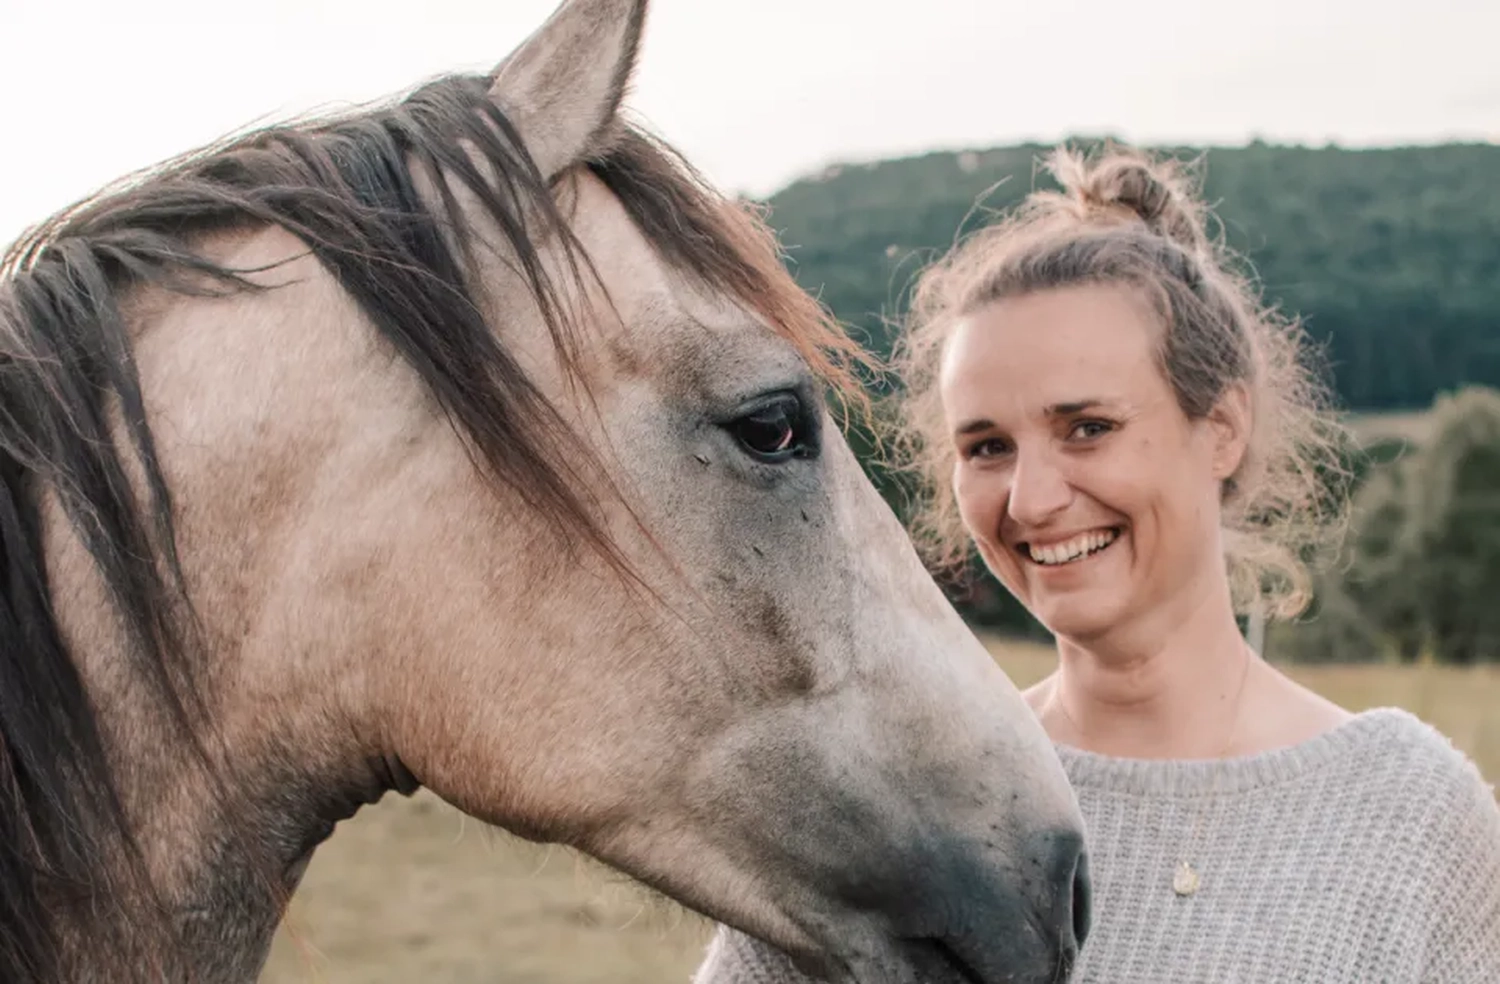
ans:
(1071, 550)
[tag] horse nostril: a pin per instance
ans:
(1069, 906)
(1082, 900)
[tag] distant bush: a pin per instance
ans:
(1420, 575)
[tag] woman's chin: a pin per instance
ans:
(1079, 616)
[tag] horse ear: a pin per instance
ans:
(563, 85)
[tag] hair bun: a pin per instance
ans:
(1158, 192)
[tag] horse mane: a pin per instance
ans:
(347, 187)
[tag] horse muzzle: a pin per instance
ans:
(969, 919)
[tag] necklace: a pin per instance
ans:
(1186, 879)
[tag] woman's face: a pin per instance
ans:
(1088, 491)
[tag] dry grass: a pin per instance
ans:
(411, 891)
(1414, 426)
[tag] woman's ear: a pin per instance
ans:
(1230, 420)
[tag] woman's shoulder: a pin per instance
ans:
(1397, 767)
(1395, 742)
(1393, 750)
(1448, 847)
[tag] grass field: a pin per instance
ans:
(1414, 426)
(410, 890)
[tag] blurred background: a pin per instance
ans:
(1350, 149)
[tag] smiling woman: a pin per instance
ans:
(1087, 281)
(1137, 451)
(1074, 465)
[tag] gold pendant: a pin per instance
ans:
(1185, 880)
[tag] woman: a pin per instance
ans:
(1134, 447)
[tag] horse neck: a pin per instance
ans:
(225, 861)
(224, 846)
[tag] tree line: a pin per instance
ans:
(1390, 257)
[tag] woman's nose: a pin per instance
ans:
(1038, 490)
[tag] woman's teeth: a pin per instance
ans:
(1075, 549)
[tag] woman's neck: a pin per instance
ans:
(1150, 691)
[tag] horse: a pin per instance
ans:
(472, 441)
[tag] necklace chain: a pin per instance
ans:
(1186, 879)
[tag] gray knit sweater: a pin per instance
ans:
(1370, 853)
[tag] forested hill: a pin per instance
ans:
(1391, 257)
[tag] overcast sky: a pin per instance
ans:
(759, 91)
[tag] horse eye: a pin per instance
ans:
(773, 433)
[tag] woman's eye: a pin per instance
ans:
(991, 447)
(1088, 429)
(773, 433)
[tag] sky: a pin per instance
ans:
(756, 92)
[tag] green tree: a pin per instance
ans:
(1421, 572)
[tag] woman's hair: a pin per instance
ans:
(1123, 217)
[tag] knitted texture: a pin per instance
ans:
(1370, 853)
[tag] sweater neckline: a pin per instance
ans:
(1095, 770)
